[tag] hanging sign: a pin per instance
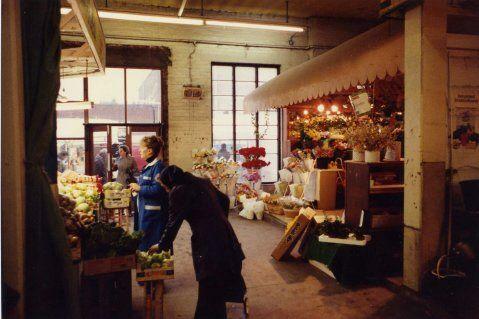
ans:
(192, 92)
(465, 97)
(360, 102)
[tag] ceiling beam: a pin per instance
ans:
(182, 8)
(66, 18)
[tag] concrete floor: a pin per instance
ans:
(283, 290)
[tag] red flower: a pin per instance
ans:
(252, 155)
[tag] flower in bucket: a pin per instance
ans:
(252, 157)
(323, 151)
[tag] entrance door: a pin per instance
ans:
(103, 142)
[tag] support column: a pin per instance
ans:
(13, 145)
(425, 138)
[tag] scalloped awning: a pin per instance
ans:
(374, 54)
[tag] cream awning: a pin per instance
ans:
(373, 54)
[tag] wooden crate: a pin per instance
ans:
(155, 274)
(108, 265)
(116, 199)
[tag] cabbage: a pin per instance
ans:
(83, 207)
(80, 200)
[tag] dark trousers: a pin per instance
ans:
(136, 223)
(211, 303)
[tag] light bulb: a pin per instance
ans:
(297, 117)
(334, 108)
(320, 108)
(305, 112)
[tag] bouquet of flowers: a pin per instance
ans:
(252, 157)
(323, 151)
(203, 155)
(307, 153)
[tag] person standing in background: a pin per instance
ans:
(100, 165)
(127, 169)
(152, 198)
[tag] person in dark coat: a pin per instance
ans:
(152, 200)
(216, 251)
(100, 168)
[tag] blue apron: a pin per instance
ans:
(152, 205)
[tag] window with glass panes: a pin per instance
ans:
(122, 95)
(232, 128)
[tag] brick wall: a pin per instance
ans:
(190, 122)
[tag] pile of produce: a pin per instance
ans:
(336, 229)
(83, 189)
(72, 222)
(156, 260)
(113, 186)
(102, 240)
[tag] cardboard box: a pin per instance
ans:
(152, 274)
(117, 199)
(108, 265)
(292, 236)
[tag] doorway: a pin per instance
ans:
(101, 138)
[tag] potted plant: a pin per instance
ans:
(355, 135)
(378, 137)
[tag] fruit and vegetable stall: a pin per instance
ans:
(105, 252)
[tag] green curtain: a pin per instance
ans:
(50, 288)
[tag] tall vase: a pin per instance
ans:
(372, 156)
(358, 156)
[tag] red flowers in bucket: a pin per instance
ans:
(252, 157)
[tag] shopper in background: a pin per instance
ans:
(217, 254)
(100, 165)
(62, 160)
(152, 198)
(127, 169)
(126, 166)
(223, 152)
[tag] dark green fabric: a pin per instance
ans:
(50, 287)
(322, 252)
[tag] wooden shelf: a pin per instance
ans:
(386, 189)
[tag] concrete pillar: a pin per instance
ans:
(425, 138)
(13, 145)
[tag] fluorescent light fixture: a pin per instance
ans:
(275, 27)
(189, 21)
(73, 106)
(148, 18)
(65, 10)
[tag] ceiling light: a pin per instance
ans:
(65, 10)
(334, 108)
(275, 27)
(320, 108)
(73, 106)
(148, 18)
(305, 112)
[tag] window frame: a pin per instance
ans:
(257, 66)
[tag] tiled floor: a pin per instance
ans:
(283, 289)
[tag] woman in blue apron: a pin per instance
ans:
(152, 198)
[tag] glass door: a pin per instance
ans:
(104, 140)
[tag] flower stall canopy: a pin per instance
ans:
(374, 54)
